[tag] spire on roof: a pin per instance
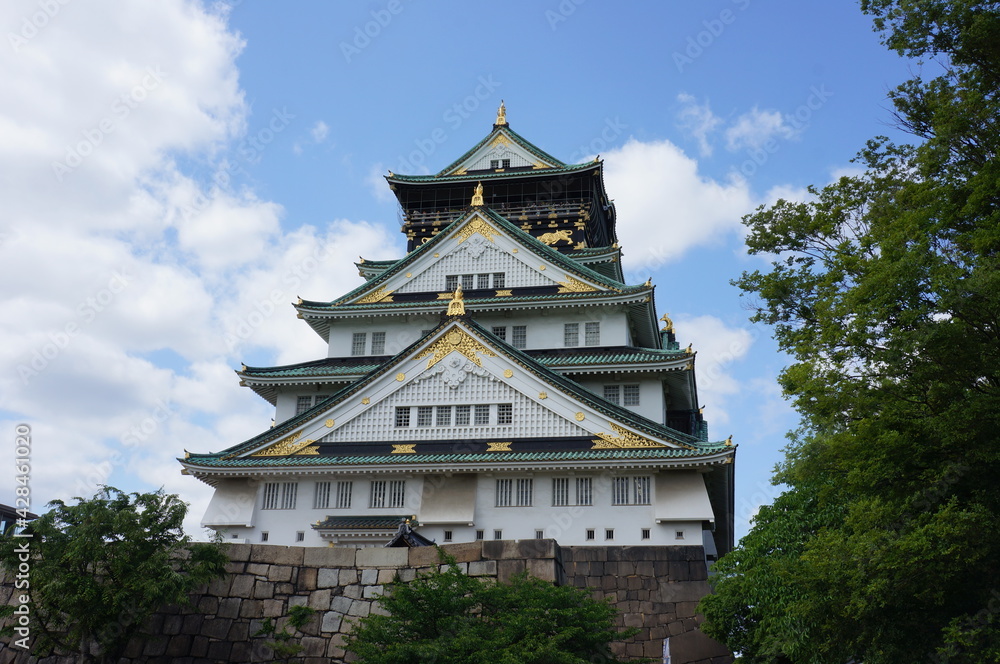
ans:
(501, 115)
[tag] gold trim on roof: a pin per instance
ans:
(498, 447)
(507, 373)
(624, 440)
(668, 325)
(456, 340)
(382, 294)
(284, 447)
(477, 225)
(404, 449)
(504, 293)
(501, 115)
(572, 285)
(308, 451)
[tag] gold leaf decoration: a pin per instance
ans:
(310, 450)
(477, 225)
(504, 293)
(507, 373)
(624, 440)
(580, 417)
(543, 395)
(499, 140)
(572, 285)
(404, 449)
(365, 401)
(284, 447)
(456, 340)
(382, 294)
(498, 447)
(329, 424)
(401, 377)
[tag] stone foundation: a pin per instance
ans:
(655, 589)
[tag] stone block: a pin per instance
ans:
(408, 574)
(216, 628)
(284, 588)
(382, 557)
(306, 579)
(644, 568)
(259, 569)
(679, 571)
(313, 646)
(371, 592)
(155, 646)
(220, 587)
(172, 625)
(464, 552)
(331, 556)
(240, 631)
(542, 569)
(327, 577)
(199, 646)
(208, 605)
(386, 576)
(263, 590)
(369, 576)
(508, 568)
(681, 591)
(192, 623)
(242, 586)
(483, 568)
(331, 621)
(698, 571)
(240, 652)
(276, 555)
(693, 646)
(298, 600)
(251, 608)
(360, 608)
(379, 610)
(353, 591)
(341, 604)
(687, 609)
(461, 567)
(423, 555)
(320, 599)
(178, 646)
(220, 651)
(348, 576)
(238, 552)
(273, 608)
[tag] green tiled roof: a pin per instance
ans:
(624, 355)
(318, 368)
(329, 306)
(505, 129)
(468, 457)
(476, 176)
(361, 522)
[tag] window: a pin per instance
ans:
(494, 163)
(504, 491)
(280, 496)
(590, 534)
(480, 534)
(505, 413)
(424, 416)
(344, 491)
(609, 533)
(462, 415)
(630, 491)
(387, 494)
(500, 332)
(519, 336)
(483, 280)
(612, 393)
(482, 414)
(443, 418)
(539, 534)
(584, 491)
(402, 416)
(679, 534)
(447, 536)
(525, 492)
(497, 534)
(319, 398)
(300, 536)
(378, 343)
(358, 341)
(499, 280)
(645, 533)
(451, 283)
(467, 281)
(321, 499)
(592, 334)
(506, 163)
(302, 404)
(571, 334)
(263, 536)
(630, 395)
(560, 491)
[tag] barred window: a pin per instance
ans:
(451, 283)
(358, 341)
(505, 490)
(519, 336)
(499, 280)
(424, 415)
(494, 163)
(631, 491)
(344, 491)
(619, 491)
(505, 163)
(498, 534)
(280, 495)
(378, 343)
(584, 491)
(560, 491)
(271, 492)
(525, 492)
(630, 395)
(443, 418)
(500, 332)
(402, 416)
(289, 491)
(640, 490)
(302, 404)
(592, 334)
(609, 533)
(505, 413)
(480, 534)
(376, 495)
(397, 493)
(590, 533)
(571, 334)
(321, 499)
(482, 414)
(483, 280)
(645, 533)
(462, 415)
(613, 393)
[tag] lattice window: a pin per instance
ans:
(397, 493)
(631, 491)
(584, 491)
(321, 498)
(525, 492)
(451, 283)
(462, 415)
(494, 163)
(505, 493)
(344, 491)
(443, 416)
(571, 334)
(505, 163)
(402, 416)
(358, 342)
(641, 493)
(499, 280)
(378, 343)
(560, 491)
(468, 281)
(319, 398)
(519, 336)
(500, 332)
(302, 404)
(630, 395)
(505, 413)
(482, 414)
(620, 491)
(376, 496)
(592, 334)
(612, 393)
(424, 415)
(289, 492)
(271, 492)
(483, 280)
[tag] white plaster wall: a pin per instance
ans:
(650, 392)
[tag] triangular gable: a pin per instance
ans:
(459, 363)
(481, 241)
(502, 143)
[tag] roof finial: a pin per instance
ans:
(477, 196)
(668, 325)
(501, 115)
(457, 305)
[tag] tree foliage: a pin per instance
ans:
(885, 290)
(101, 567)
(448, 617)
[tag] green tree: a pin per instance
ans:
(101, 567)
(885, 291)
(447, 617)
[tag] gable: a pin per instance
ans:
(457, 365)
(502, 146)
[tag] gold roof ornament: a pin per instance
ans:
(477, 196)
(501, 115)
(668, 325)
(649, 282)
(457, 305)
(688, 350)
(729, 441)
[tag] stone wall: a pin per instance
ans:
(655, 589)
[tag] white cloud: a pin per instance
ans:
(376, 183)
(698, 120)
(669, 206)
(755, 128)
(319, 131)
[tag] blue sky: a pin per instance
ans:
(176, 173)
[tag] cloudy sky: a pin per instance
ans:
(174, 173)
